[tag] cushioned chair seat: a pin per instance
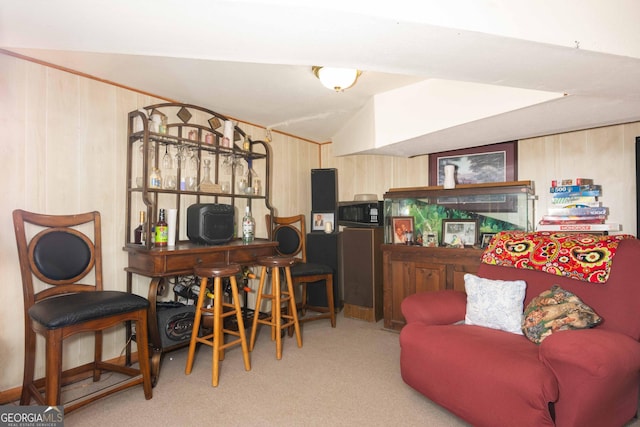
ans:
(309, 269)
(71, 309)
(484, 389)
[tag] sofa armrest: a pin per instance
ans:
(435, 308)
(597, 373)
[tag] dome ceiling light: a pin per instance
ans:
(337, 79)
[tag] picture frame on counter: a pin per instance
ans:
(459, 233)
(319, 220)
(403, 229)
(486, 239)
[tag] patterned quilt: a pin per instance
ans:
(584, 257)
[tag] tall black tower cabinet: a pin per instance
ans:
(323, 248)
(362, 273)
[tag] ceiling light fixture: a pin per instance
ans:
(337, 79)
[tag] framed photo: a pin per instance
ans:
(486, 239)
(489, 163)
(430, 240)
(459, 232)
(402, 229)
(320, 219)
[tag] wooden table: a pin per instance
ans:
(164, 262)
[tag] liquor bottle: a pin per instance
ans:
(246, 144)
(162, 229)
(248, 226)
(140, 233)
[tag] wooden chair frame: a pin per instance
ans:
(296, 224)
(55, 377)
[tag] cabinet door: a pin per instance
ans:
(458, 271)
(407, 278)
(429, 277)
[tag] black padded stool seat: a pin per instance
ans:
(220, 310)
(309, 269)
(71, 309)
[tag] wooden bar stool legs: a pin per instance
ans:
(216, 338)
(277, 297)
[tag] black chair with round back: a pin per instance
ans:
(290, 234)
(61, 267)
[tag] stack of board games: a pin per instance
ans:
(575, 207)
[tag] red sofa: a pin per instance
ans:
(489, 377)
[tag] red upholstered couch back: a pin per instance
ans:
(617, 301)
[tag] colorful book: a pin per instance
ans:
(578, 227)
(579, 193)
(577, 201)
(574, 188)
(579, 211)
(571, 221)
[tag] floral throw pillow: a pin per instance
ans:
(556, 310)
(495, 304)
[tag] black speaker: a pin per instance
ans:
(324, 190)
(175, 322)
(323, 248)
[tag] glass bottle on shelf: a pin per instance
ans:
(162, 229)
(155, 179)
(140, 233)
(206, 184)
(248, 226)
(252, 180)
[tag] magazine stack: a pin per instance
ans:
(575, 207)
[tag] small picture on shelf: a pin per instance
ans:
(402, 229)
(321, 220)
(430, 240)
(459, 233)
(486, 239)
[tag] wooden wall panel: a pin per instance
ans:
(65, 151)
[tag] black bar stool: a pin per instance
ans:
(277, 297)
(216, 338)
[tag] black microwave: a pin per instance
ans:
(368, 213)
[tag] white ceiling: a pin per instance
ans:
(252, 59)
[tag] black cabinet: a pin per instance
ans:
(323, 248)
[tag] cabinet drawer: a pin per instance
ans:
(188, 261)
(248, 257)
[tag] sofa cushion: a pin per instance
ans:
(555, 310)
(486, 376)
(495, 304)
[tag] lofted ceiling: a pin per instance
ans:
(252, 60)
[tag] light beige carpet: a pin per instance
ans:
(345, 376)
(348, 376)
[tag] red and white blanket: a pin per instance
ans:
(584, 257)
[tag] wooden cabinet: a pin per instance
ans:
(411, 269)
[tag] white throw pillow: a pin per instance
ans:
(496, 304)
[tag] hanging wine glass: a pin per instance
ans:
(227, 164)
(238, 166)
(152, 152)
(194, 162)
(180, 157)
(167, 160)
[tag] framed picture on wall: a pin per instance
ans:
(489, 163)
